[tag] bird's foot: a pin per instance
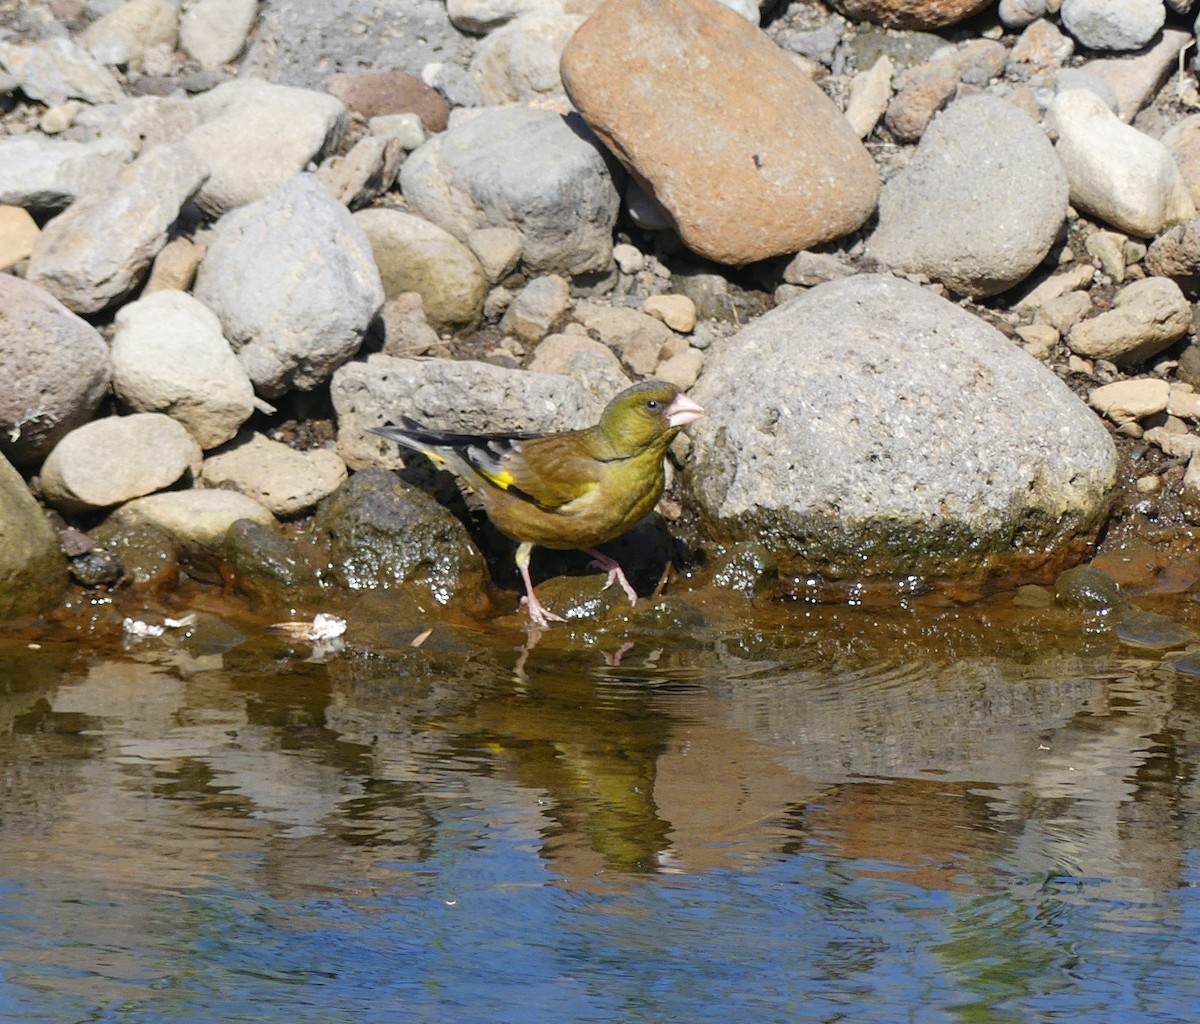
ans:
(615, 573)
(538, 613)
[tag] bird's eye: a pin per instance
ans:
(652, 404)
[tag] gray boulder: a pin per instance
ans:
(298, 42)
(1113, 24)
(451, 394)
(33, 570)
(414, 255)
(215, 31)
(294, 283)
(48, 174)
(270, 569)
(98, 250)
(533, 170)
(54, 366)
(169, 356)
(869, 427)
(196, 520)
(978, 216)
(116, 458)
(519, 62)
(56, 69)
(256, 136)
(138, 122)
(284, 480)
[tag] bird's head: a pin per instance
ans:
(650, 412)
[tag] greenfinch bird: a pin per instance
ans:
(575, 489)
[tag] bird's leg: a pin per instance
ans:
(613, 568)
(537, 614)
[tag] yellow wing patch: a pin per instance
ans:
(502, 479)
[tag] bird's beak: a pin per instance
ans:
(683, 411)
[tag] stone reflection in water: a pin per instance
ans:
(168, 809)
(943, 770)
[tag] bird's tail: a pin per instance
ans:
(414, 435)
(477, 458)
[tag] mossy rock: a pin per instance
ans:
(264, 566)
(384, 533)
(33, 571)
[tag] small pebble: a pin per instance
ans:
(629, 258)
(1151, 483)
(676, 311)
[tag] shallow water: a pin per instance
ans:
(927, 814)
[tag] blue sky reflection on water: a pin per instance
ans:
(969, 839)
(482, 932)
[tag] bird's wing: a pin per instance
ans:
(546, 470)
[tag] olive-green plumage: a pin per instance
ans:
(574, 489)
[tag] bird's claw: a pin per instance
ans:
(539, 615)
(615, 575)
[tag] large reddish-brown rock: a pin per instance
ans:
(745, 153)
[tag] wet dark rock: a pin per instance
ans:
(1033, 596)
(32, 567)
(1150, 630)
(96, 568)
(580, 598)
(1188, 664)
(263, 565)
(747, 567)
(672, 615)
(74, 542)
(149, 557)
(398, 628)
(210, 634)
(1085, 588)
(384, 533)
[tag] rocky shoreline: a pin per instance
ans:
(929, 266)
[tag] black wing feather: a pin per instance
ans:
(456, 440)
